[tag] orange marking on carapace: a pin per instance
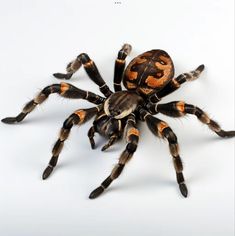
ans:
(167, 64)
(81, 114)
(161, 126)
(140, 60)
(155, 83)
(130, 85)
(165, 60)
(64, 87)
(166, 68)
(180, 106)
(132, 75)
(145, 90)
(146, 54)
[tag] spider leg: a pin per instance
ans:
(64, 89)
(175, 83)
(111, 141)
(91, 134)
(132, 136)
(77, 118)
(180, 108)
(115, 136)
(120, 66)
(162, 130)
(91, 69)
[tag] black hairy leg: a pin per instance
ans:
(91, 134)
(132, 138)
(162, 130)
(175, 83)
(91, 69)
(111, 141)
(77, 118)
(180, 108)
(63, 89)
(120, 66)
(147, 78)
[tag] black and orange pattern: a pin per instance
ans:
(149, 72)
(148, 78)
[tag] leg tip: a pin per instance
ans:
(59, 75)
(9, 120)
(96, 192)
(47, 172)
(127, 47)
(183, 189)
(226, 134)
(200, 68)
(104, 148)
(62, 76)
(92, 145)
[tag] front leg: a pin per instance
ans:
(132, 136)
(91, 69)
(64, 89)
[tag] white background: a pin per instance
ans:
(37, 39)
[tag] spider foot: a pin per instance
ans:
(47, 172)
(96, 193)
(12, 120)
(200, 68)
(63, 76)
(106, 146)
(193, 75)
(226, 134)
(92, 144)
(110, 143)
(127, 47)
(9, 120)
(183, 189)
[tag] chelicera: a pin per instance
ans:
(148, 78)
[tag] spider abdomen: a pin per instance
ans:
(149, 72)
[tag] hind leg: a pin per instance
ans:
(132, 136)
(91, 69)
(175, 83)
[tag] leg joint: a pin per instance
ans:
(170, 135)
(122, 55)
(131, 147)
(84, 58)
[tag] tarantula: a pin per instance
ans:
(148, 78)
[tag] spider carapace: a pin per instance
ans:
(148, 78)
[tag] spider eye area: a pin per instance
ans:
(117, 113)
(121, 104)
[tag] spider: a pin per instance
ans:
(148, 78)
